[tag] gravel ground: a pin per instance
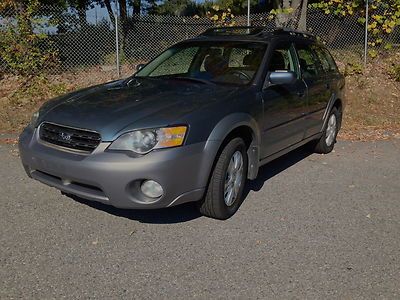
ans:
(312, 226)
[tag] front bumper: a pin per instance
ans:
(114, 178)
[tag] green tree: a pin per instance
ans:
(25, 51)
(81, 6)
(238, 7)
(221, 17)
(179, 8)
(384, 16)
(290, 13)
(124, 20)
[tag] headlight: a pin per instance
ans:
(143, 141)
(34, 119)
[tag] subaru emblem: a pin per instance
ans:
(65, 136)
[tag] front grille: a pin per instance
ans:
(72, 138)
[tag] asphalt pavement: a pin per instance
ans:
(311, 227)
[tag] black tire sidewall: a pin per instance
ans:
(213, 205)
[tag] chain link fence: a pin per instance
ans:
(94, 39)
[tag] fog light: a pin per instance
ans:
(152, 189)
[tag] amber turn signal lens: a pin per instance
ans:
(171, 136)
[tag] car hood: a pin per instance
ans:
(117, 107)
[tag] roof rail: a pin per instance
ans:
(294, 31)
(255, 31)
(233, 30)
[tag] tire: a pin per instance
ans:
(216, 203)
(328, 139)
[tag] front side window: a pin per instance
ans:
(218, 62)
(282, 59)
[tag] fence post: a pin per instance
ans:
(366, 33)
(117, 45)
(248, 13)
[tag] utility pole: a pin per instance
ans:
(366, 33)
(117, 40)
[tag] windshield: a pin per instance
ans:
(217, 62)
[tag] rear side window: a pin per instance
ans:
(309, 62)
(327, 62)
(331, 61)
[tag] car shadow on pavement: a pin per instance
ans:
(187, 212)
(176, 214)
(275, 167)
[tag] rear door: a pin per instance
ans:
(319, 89)
(332, 75)
(285, 105)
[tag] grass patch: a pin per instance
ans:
(373, 101)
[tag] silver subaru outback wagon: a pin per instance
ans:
(191, 125)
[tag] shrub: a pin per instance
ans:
(22, 50)
(395, 71)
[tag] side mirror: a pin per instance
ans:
(139, 67)
(282, 77)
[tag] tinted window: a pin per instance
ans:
(282, 59)
(331, 61)
(309, 62)
(322, 58)
(327, 62)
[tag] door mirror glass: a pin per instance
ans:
(282, 77)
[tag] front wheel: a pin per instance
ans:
(225, 189)
(328, 139)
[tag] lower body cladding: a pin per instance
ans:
(117, 178)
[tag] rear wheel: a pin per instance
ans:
(328, 139)
(225, 190)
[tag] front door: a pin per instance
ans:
(319, 89)
(284, 105)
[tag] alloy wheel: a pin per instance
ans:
(331, 130)
(233, 178)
